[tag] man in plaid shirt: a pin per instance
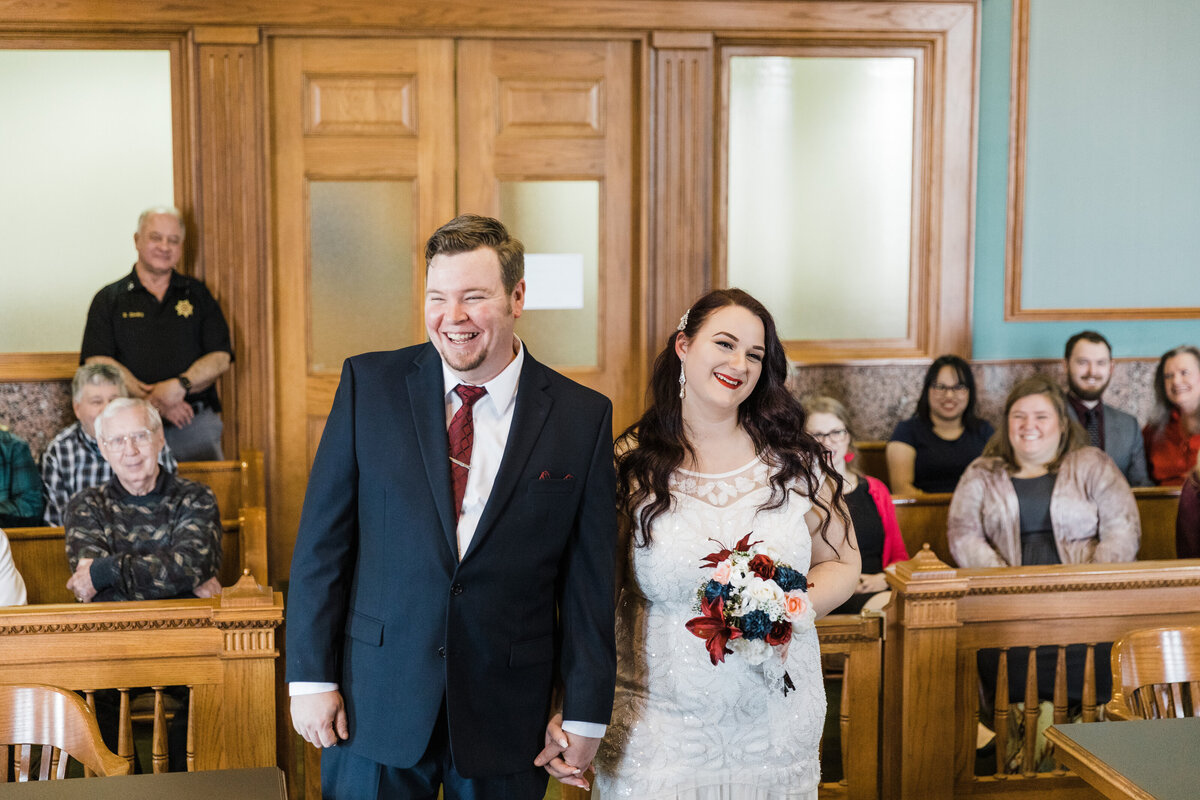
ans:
(72, 462)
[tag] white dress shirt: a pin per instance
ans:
(492, 416)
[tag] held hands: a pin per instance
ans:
(80, 584)
(566, 756)
(872, 583)
(168, 397)
(320, 718)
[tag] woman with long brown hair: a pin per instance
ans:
(733, 514)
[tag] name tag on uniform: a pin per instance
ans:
(132, 314)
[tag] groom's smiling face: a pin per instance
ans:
(468, 314)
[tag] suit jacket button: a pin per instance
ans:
(456, 589)
(441, 652)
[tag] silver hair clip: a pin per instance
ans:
(683, 320)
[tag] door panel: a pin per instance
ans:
(364, 171)
(544, 111)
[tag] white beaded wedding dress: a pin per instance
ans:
(683, 728)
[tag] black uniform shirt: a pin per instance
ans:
(156, 341)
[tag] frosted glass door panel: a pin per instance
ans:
(820, 192)
(559, 218)
(361, 276)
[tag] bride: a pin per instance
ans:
(717, 474)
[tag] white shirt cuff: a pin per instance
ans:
(592, 730)
(310, 687)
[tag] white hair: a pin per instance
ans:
(170, 211)
(120, 404)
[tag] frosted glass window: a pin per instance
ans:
(85, 146)
(559, 217)
(820, 188)
(361, 280)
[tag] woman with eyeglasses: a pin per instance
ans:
(928, 452)
(867, 500)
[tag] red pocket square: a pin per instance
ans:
(545, 476)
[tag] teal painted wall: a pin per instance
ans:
(992, 337)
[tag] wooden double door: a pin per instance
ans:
(377, 142)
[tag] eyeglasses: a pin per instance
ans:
(957, 388)
(830, 437)
(140, 438)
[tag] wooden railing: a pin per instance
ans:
(940, 617)
(40, 553)
(223, 648)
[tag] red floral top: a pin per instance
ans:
(1170, 453)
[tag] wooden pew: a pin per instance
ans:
(871, 460)
(923, 521)
(222, 647)
(40, 553)
(940, 617)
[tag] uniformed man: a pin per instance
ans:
(167, 335)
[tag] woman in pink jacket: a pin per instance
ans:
(867, 499)
(1039, 495)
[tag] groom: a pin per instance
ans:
(451, 586)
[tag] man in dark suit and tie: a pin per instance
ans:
(1089, 370)
(451, 587)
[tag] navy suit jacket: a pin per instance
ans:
(379, 602)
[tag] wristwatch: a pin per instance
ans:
(185, 383)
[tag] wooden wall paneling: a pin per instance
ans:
(231, 237)
(681, 178)
(345, 110)
(545, 109)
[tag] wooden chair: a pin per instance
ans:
(1156, 674)
(61, 723)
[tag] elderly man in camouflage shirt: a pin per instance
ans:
(147, 534)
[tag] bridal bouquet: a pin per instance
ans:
(749, 604)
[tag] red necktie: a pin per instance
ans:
(462, 436)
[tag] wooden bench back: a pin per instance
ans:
(40, 553)
(923, 521)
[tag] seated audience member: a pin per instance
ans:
(1040, 495)
(73, 461)
(1187, 521)
(20, 487)
(146, 534)
(867, 500)
(12, 585)
(1089, 369)
(928, 452)
(1173, 438)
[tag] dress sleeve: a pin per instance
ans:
(904, 432)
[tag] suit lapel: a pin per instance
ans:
(428, 404)
(529, 416)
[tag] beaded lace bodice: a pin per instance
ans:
(681, 726)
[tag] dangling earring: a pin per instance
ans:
(682, 381)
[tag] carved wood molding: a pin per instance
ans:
(1045, 588)
(116, 626)
(1015, 226)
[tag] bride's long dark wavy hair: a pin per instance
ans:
(655, 446)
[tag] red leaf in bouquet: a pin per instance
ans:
(711, 627)
(762, 566)
(745, 544)
(712, 559)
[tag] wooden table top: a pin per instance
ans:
(1143, 759)
(260, 783)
